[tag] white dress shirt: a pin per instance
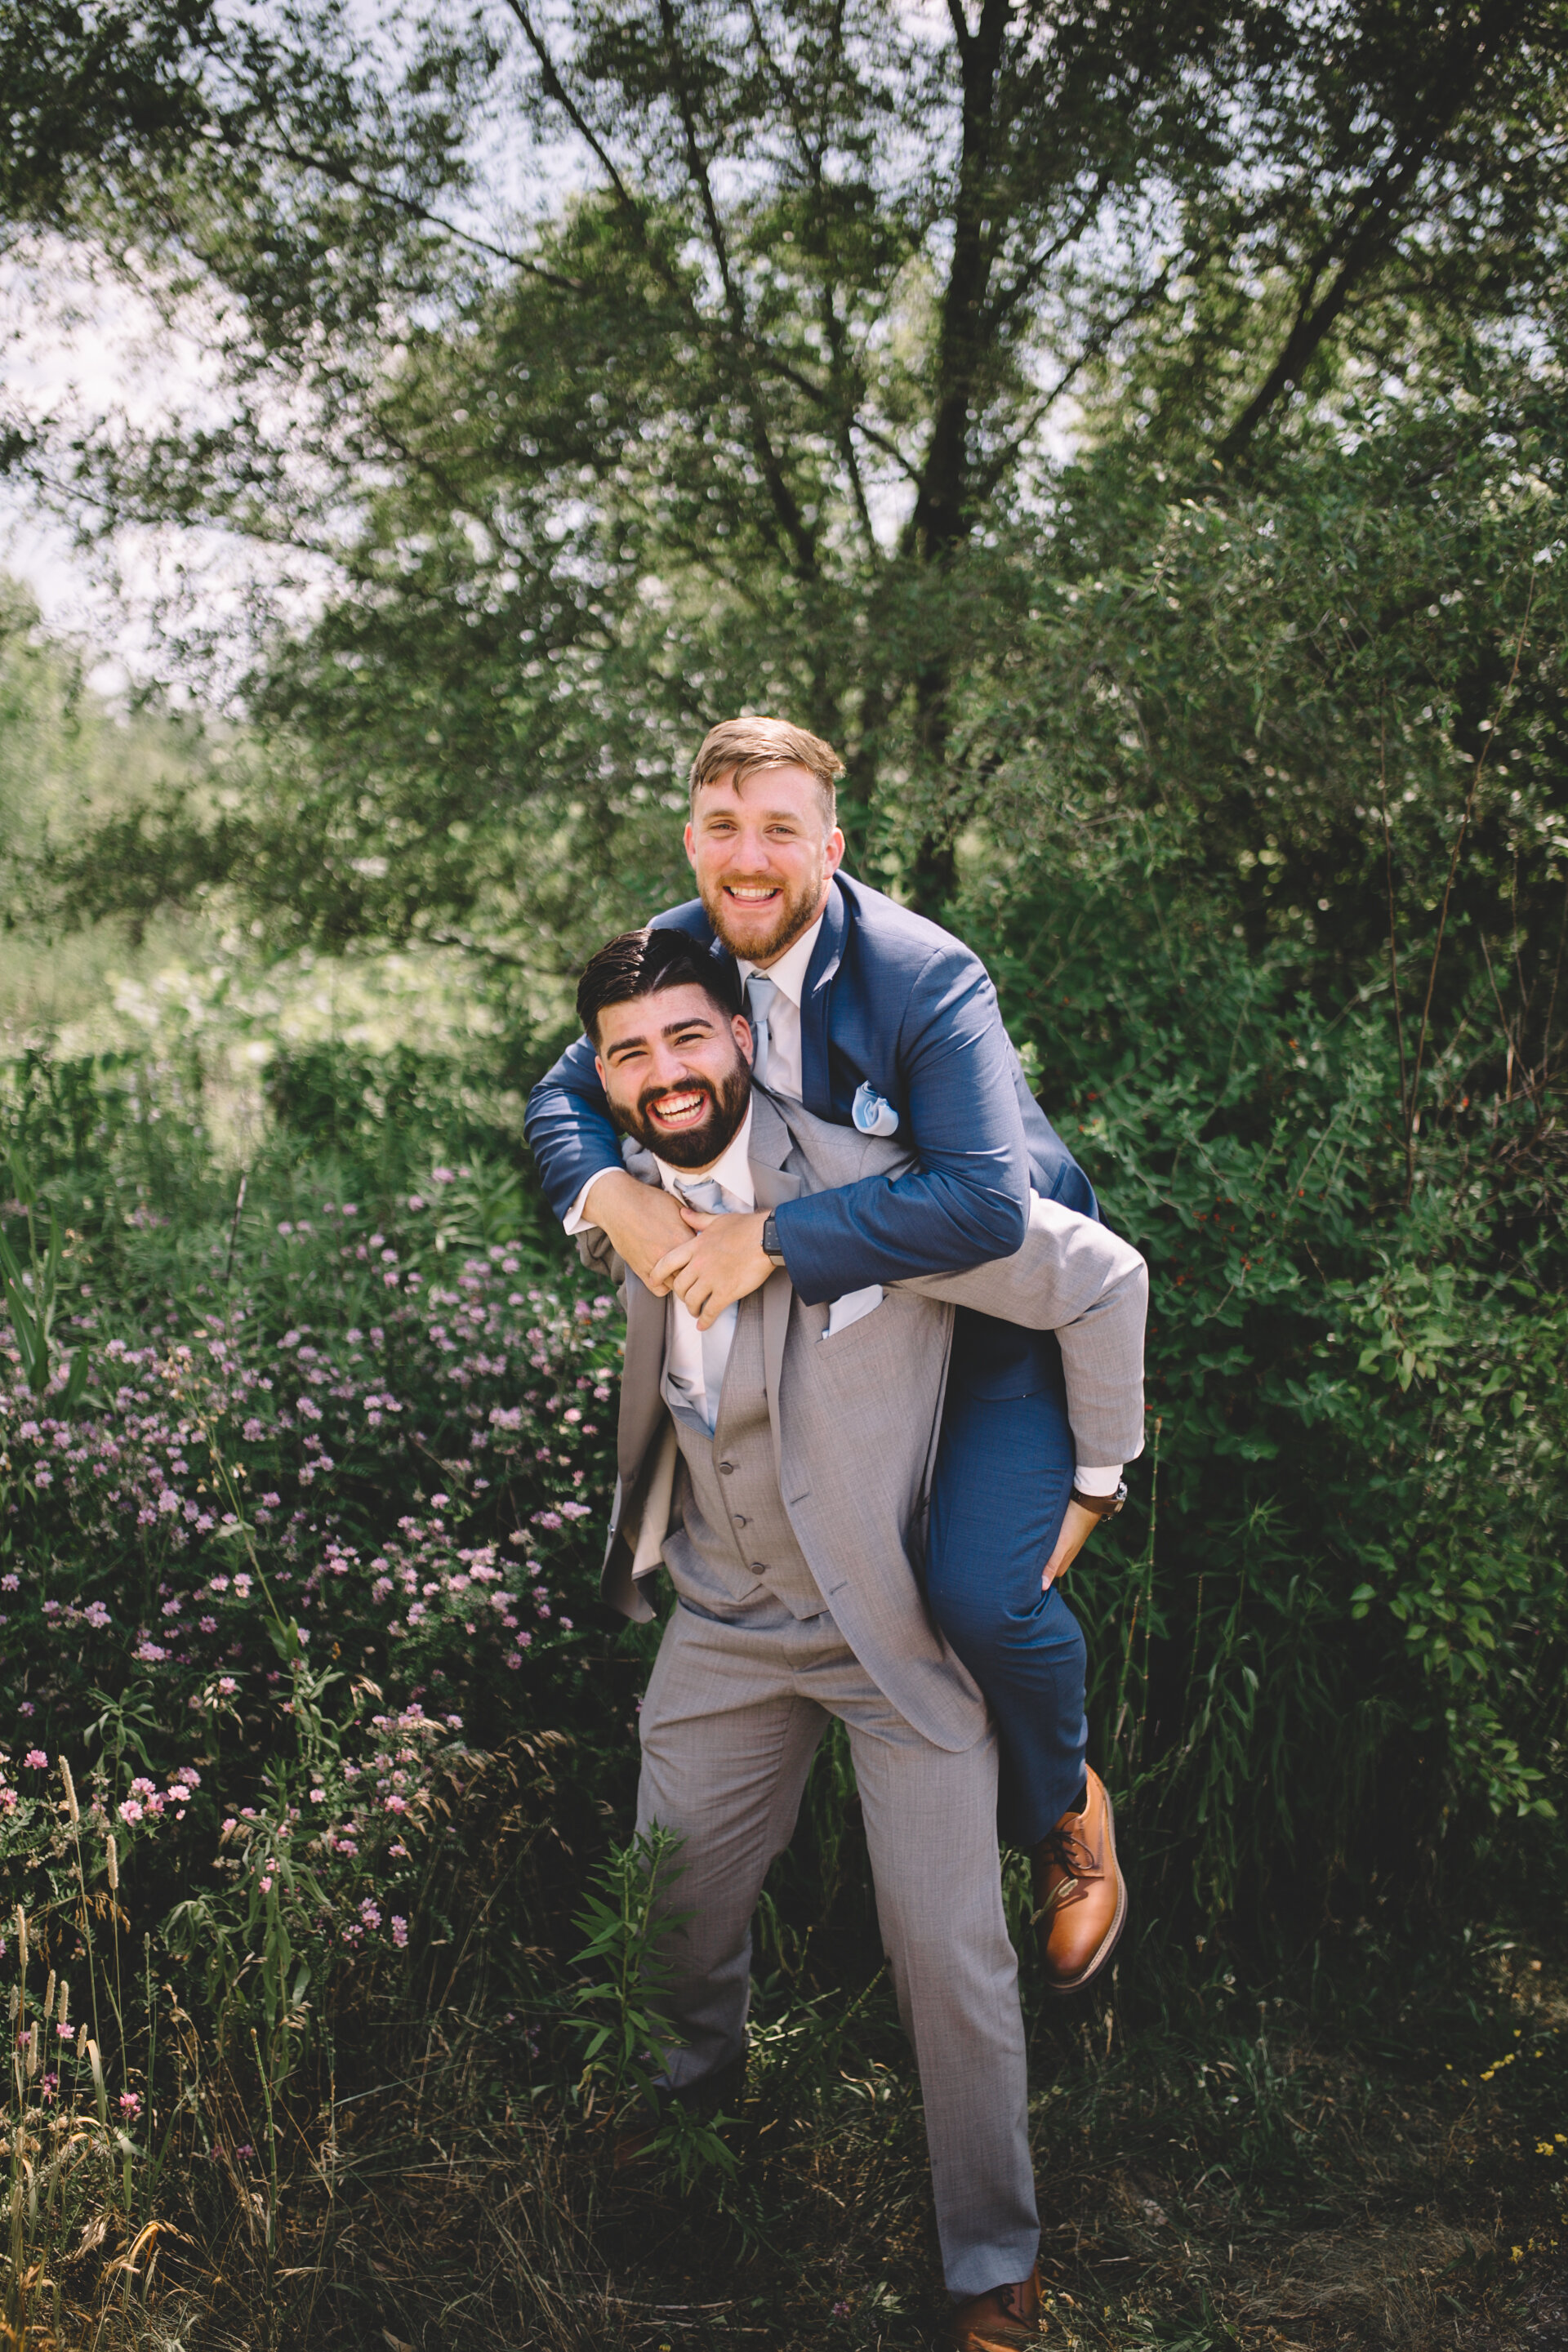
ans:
(683, 1349)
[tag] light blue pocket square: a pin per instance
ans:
(851, 1307)
(872, 1113)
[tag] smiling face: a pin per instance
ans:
(763, 853)
(677, 1070)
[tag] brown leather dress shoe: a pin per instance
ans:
(1080, 1896)
(1006, 2320)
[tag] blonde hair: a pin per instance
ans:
(744, 745)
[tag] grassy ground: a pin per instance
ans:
(1252, 2181)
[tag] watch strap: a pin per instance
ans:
(771, 1239)
(1104, 1507)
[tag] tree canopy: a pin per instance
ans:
(1071, 412)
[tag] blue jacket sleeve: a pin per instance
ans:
(569, 1127)
(968, 1199)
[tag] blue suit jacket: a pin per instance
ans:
(893, 998)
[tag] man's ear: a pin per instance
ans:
(834, 852)
(603, 1076)
(742, 1030)
(690, 840)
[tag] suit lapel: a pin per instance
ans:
(816, 1077)
(641, 1404)
(771, 1145)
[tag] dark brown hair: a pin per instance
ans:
(638, 963)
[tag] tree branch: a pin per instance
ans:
(1369, 231)
(556, 88)
(811, 162)
(1029, 276)
(332, 169)
(801, 538)
(988, 476)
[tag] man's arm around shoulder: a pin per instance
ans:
(967, 1199)
(1076, 1277)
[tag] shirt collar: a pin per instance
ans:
(733, 1172)
(789, 973)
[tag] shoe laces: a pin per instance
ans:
(1069, 1852)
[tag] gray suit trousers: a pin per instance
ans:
(733, 1716)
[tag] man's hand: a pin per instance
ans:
(643, 1220)
(1076, 1528)
(720, 1260)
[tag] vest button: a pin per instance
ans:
(725, 1468)
(740, 1519)
(758, 1568)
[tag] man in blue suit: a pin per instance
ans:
(871, 1015)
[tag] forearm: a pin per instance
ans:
(569, 1127)
(1077, 1279)
(890, 1229)
(639, 1223)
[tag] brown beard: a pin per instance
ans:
(693, 1146)
(796, 915)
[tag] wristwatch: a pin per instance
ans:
(771, 1239)
(1104, 1507)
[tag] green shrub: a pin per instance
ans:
(1344, 1654)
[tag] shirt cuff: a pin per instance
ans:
(576, 1219)
(1091, 1482)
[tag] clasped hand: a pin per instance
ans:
(723, 1260)
(709, 1261)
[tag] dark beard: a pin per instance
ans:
(796, 915)
(695, 1146)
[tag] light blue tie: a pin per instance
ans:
(760, 994)
(708, 1195)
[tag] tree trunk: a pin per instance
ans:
(942, 514)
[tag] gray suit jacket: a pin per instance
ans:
(856, 1417)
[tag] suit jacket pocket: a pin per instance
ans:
(853, 1308)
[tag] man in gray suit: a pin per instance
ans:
(777, 1466)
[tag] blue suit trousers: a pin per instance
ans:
(1003, 1476)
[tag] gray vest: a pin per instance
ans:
(731, 1543)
